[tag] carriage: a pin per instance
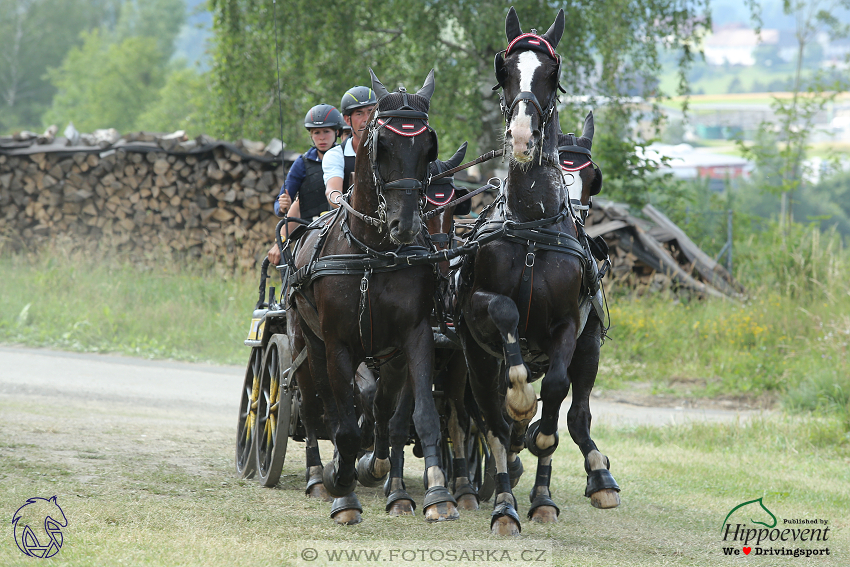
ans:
(270, 403)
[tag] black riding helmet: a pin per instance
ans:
(324, 116)
(357, 97)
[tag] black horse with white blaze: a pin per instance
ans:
(525, 297)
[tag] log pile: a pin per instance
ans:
(656, 255)
(214, 200)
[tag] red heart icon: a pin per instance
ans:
(747, 550)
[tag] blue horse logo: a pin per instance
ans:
(37, 526)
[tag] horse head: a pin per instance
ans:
(399, 156)
(582, 177)
(528, 73)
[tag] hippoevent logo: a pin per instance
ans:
(38, 527)
(793, 537)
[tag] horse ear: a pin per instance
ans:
(380, 90)
(553, 35)
(428, 88)
(587, 132)
(455, 160)
(512, 29)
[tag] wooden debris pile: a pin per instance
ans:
(655, 256)
(142, 194)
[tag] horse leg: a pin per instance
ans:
(602, 489)
(542, 436)
(439, 504)
(501, 312)
(311, 414)
(455, 390)
(373, 467)
(486, 385)
(399, 502)
(367, 385)
(339, 476)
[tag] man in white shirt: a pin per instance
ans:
(338, 164)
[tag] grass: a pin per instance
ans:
(142, 486)
(80, 304)
(790, 339)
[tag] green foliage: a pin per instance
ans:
(325, 50)
(180, 105)
(791, 338)
(110, 80)
(36, 35)
(105, 85)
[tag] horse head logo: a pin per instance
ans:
(37, 526)
(747, 503)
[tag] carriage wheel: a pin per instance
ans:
(246, 461)
(482, 467)
(274, 410)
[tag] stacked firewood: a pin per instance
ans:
(216, 204)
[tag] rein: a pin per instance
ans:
(480, 159)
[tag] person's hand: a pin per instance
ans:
(274, 254)
(284, 202)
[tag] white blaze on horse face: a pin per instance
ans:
(572, 180)
(520, 125)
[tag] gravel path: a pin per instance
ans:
(213, 390)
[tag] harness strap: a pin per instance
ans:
(365, 315)
(526, 285)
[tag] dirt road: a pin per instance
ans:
(212, 391)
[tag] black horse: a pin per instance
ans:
(521, 293)
(360, 295)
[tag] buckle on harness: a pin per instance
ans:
(529, 260)
(364, 284)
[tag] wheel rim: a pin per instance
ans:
(245, 464)
(273, 406)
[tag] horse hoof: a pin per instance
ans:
(545, 515)
(504, 526)
(401, 508)
(347, 517)
(319, 491)
(467, 502)
(605, 499)
(521, 402)
(441, 512)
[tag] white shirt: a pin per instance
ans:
(333, 163)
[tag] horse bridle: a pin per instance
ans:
(379, 121)
(544, 114)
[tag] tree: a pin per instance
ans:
(180, 105)
(325, 50)
(109, 80)
(36, 35)
(779, 149)
(106, 85)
